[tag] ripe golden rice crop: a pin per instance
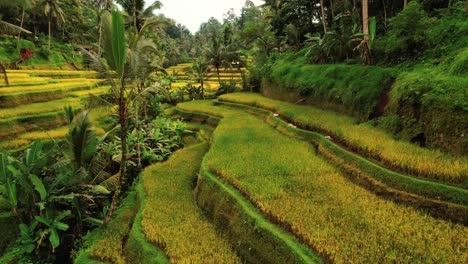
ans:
(179, 222)
(377, 143)
(286, 180)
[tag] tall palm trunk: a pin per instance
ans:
(123, 161)
(332, 9)
(365, 19)
(100, 36)
(324, 23)
(217, 71)
(202, 88)
(5, 76)
(21, 26)
(49, 33)
(365, 52)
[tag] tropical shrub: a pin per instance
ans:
(352, 89)
(407, 34)
(226, 87)
(431, 108)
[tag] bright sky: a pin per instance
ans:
(192, 13)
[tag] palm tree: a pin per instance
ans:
(8, 29)
(324, 23)
(365, 53)
(136, 11)
(220, 54)
(25, 4)
(52, 9)
(130, 59)
(198, 71)
(102, 5)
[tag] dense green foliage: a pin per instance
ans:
(432, 105)
(334, 84)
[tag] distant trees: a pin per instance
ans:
(53, 11)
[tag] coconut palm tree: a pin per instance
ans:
(53, 11)
(137, 13)
(8, 29)
(324, 23)
(101, 6)
(24, 4)
(129, 60)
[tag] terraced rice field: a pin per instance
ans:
(31, 106)
(248, 191)
(306, 195)
(369, 141)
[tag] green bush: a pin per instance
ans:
(459, 66)
(407, 33)
(449, 32)
(352, 88)
(430, 108)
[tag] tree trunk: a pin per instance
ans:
(405, 2)
(324, 23)
(203, 89)
(100, 36)
(365, 19)
(123, 161)
(365, 53)
(219, 77)
(49, 34)
(5, 76)
(385, 15)
(332, 9)
(466, 6)
(21, 26)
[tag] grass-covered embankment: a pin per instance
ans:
(350, 89)
(171, 219)
(431, 108)
(366, 140)
(426, 106)
(342, 221)
(107, 245)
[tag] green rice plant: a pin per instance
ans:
(284, 178)
(369, 141)
(170, 184)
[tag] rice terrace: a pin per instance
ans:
(241, 131)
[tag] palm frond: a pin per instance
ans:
(112, 182)
(10, 29)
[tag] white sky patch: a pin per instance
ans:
(192, 13)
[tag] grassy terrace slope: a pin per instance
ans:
(367, 140)
(172, 220)
(31, 107)
(341, 221)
